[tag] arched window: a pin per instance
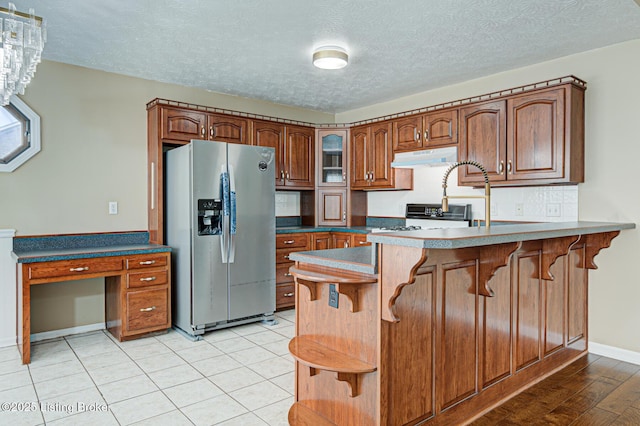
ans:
(19, 134)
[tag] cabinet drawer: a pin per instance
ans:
(63, 268)
(285, 295)
(360, 240)
(147, 260)
(147, 309)
(282, 255)
(282, 273)
(147, 278)
(292, 241)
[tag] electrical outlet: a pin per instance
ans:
(553, 210)
(519, 209)
(113, 207)
(333, 296)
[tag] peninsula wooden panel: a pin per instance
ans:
(497, 330)
(528, 307)
(554, 308)
(458, 335)
(411, 398)
(577, 296)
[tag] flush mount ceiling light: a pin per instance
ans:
(330, 57)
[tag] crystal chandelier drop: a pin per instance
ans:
(23, 37)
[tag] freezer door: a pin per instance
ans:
(252, 251)
(209, 273)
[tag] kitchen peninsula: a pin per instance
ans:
(439, 326)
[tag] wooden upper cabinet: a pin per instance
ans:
(407, 133)
(440, 128)
(381, 156)
(425, 130)
(182, 125)
(225, 128)
(332, 157)
(483, 139)
(299, 158)
(371, 155)
(359, 171)
(534, 138)
(271, 135)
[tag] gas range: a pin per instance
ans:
(431, 216)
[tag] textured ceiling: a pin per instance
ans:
(262, 49)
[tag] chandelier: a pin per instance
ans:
(23, 37)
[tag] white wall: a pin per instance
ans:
(612, 154)
(7, 289)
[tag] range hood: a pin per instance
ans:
(425, 158)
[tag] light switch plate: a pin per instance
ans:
(113, 207)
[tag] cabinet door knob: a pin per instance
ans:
(426, 135)
(202, 131)
(148, 279)
(509, 168)
(80, 269)
(363, 242)
(212, 131)
(281, 174)
(287, 175)
(288, 241)
(501, 167)
(152, 308)
(344, 215)
(288, 294)
(287, 274)
(148, 262)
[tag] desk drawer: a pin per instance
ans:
(147, 278)
(152, 260)
(147, 310)
(61, 268)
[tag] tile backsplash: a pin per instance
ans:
(526, 204)
(287, 203)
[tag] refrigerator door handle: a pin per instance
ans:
(232, 213)
(226, 207)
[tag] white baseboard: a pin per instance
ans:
(7, 341)
(46, 335)
(615, 353)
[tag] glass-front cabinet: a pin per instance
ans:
(332, 157)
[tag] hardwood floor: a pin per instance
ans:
(593, 390)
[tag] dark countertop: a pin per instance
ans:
(363, 259)
(84, 246)
(357, 259)
(453, 238)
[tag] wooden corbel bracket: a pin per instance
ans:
(594, 243)
(397, 260)
(493, 258)
(552, 249)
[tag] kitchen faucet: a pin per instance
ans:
(487, 190)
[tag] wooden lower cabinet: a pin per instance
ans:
(285, 245)
(304, 241)
(475, 327)
(139, 302)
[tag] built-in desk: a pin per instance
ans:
(137, 279)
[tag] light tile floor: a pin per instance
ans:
(237, 376)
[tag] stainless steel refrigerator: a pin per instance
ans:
(220, 222)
